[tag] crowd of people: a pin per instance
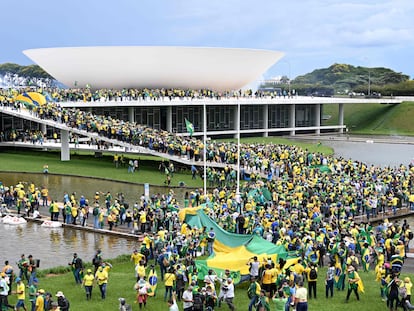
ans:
(313, 216)
(24, 283)
(87, 94)
(310, 203)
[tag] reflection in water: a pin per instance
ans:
(55, 246)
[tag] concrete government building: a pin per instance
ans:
(218, 69)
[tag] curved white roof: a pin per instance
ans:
(154, 66)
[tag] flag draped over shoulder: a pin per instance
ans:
(190, 127)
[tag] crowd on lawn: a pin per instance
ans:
(310, 212)
(309, 203)
(22, 281)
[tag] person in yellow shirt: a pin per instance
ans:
(21, 294)
(169, 280)
(137, 257)
(143, 221)
(44, 192)
(101, 277)
(407, 285)
(40, 300)
(87, 282)
(267, 279)
(140, 271)
(298, 270)
(312, 275)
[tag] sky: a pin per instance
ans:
(313, 34)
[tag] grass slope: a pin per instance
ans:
(374, 119)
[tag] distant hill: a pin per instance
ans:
(343, 76)
(32, 71)
(336, 79)
(13, 75)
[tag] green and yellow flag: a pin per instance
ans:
(190, 127)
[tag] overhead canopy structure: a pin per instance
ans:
(154, 67)
(232, 251)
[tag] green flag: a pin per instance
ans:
(190, 127)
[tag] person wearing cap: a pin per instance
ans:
(40, 300)
(87, 282)
(101, 277)
(4, 292)
(62, 302)
(33, 293)
(21, 294)
(254, 266)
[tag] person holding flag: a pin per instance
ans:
(354, 283)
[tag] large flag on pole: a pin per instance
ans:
(190, 127)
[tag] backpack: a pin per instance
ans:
(410, 235)
(313, 275)
(197, 301)
(95, 211)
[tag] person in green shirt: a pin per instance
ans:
(262, 302)
(23, 265)
(279, 301)
(253, 292)
(33, 292)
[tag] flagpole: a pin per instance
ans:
(238, 155)
(205, 148)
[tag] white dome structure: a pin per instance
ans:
(154, 66)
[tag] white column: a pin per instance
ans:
(43, 128)
(238, 151)
(292, 120)
(237, 120)
(169, 119)
(341, 117)
(265, 120)
(131, 114)
(64, 149)
(318, 119)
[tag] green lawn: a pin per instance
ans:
(374, 119)
(89, 166)
(121, 282)
(86, 164)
